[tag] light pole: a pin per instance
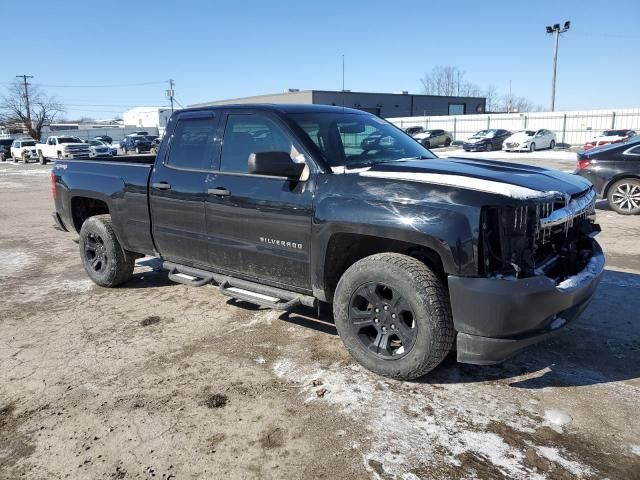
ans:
(555, 30)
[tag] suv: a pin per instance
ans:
(24, 149)
(136, 143)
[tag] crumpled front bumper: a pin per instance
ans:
(497, 318)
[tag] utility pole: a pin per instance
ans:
(171, 93)
(26, 96)
(556, 31)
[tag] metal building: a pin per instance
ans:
(381, 104)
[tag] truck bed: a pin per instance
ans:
(119, 184)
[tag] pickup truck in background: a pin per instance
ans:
(288, 205)
(62, 147)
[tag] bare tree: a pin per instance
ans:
(492, 98)
(513, 103)
(449, 81)
(43, 109)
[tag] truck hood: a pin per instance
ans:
(500, 178)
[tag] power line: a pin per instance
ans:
(104, 86)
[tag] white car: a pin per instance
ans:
(23, 149)
(530, 141)
(99, 149)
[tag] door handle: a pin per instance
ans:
(162, 185)
(220, 192)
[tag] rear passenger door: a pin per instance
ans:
(259, 226)
(177, 188)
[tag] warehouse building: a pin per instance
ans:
(382, 104)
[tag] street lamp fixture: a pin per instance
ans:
(556, 31)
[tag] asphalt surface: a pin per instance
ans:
(158, 380)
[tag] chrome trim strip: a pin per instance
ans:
(581, 206)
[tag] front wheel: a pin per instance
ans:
(42, 158)
(103, 258)
(532, 147)
(393, 315)
(25, 158)
(489, 147)
(426, 144)
(447, 142)
(552, 145)
(624, 196)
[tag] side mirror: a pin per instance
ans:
(275, 164)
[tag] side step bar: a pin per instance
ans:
(263, 295)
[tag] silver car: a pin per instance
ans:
(434, 138)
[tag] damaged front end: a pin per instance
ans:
(551, 236)
(538, 270)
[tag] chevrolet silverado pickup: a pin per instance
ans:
(289, 205)
(62, 147)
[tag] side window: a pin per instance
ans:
(245, 134)
(193, 144)
(634, 151)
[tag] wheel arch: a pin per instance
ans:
(343, 249)
(83, 207)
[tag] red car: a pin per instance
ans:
(609, 136)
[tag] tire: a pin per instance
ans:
(489, 147)
(624, 196)
(59, 156)
(426, 144)
(447, 142)
(25, 160)
(412, 293)
(41, 158)
(3, 157)
(532, 147)
(552, 145)
(103, 258)
(15, 159)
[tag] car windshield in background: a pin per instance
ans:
(354, 139)
(28, 143)
(96, 143)
(69, 140)
(614, 133)
(484, 134)
(529, 133)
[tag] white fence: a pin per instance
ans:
(571, 128)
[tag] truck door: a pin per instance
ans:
(177, 188)
(259, 227)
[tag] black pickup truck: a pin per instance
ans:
(283, 205)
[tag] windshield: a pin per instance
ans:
(614, 133)
(484, 134)
(69, 140)
(28, 143)
(357, 139)
(97, 143)
(529, 133)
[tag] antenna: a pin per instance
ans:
(343, 81)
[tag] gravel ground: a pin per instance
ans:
(158, 380)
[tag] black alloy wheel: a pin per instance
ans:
(382, 320)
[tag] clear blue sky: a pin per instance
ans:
(217, 50)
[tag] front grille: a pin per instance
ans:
(560, 216)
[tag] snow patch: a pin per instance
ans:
(14, 261)
(408, 427)
(593, 268)
(635, 449)
(557, 419)
(461, 181)
(575, 468)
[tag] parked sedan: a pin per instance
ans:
(434, 138)
(136, 143)
(486, 140)
(530, 141)
(614, 171)
(99, 149)
(609, 136)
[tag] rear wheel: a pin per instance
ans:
(393, 315)
(3, 157)
(447, 142)
(624, 196)
(103, 258)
